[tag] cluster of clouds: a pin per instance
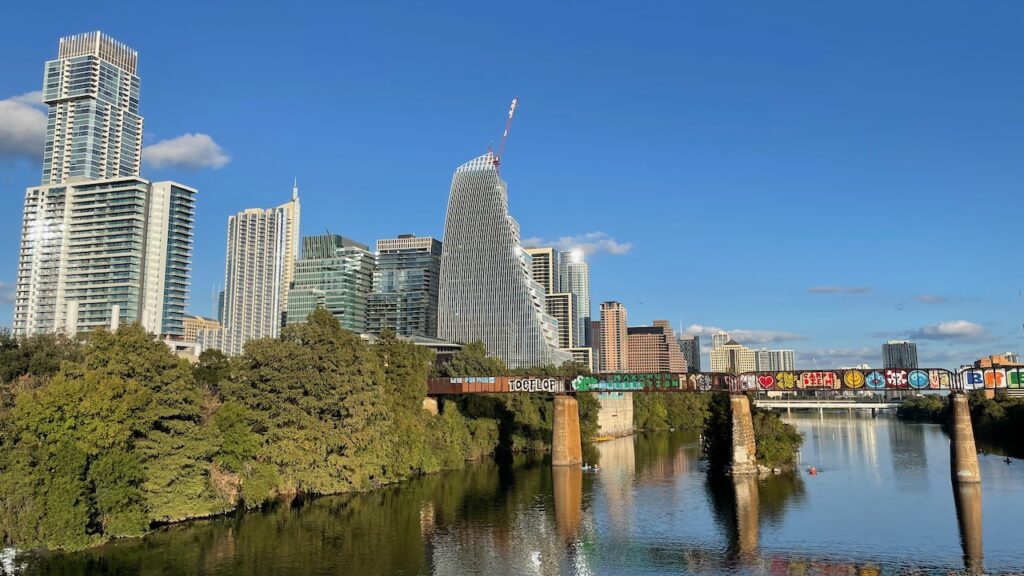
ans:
(743, 336)
(188, 152)
(23, 127)
(950, 330)
(588, 243)
(23, 134)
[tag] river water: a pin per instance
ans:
(882, 502)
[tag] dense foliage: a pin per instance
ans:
(998, 421)
(777, 443)
(665, 410)
(106, 436)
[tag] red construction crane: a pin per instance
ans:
(504, 137)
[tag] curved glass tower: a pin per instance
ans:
(486, 292)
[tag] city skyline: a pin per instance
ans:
(818, 306)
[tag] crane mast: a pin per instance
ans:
(504, 136)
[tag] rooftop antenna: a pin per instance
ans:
(504, 136)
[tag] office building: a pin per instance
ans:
(1004, 360)
(733, 358)
(595, 342)
(405, 286)
(614, 338)
(583, 356)
(544, 268)
(899, 354)
(193, 325)
(574, 277)
(336, 274)
(486, 291)
(258, 267)
(93, 127)
(774, 360)
(653, 349)
(690, 348)
(562, 307)
(719, 339)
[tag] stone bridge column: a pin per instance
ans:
(565, 436)
(744, 454)
(963, 456)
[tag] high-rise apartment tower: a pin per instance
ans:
(100, 246)
(614, 353)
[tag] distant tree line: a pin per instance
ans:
(998, 421)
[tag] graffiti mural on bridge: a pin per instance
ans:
(865, 380)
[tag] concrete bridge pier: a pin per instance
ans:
(566, 449)
(744, 453)
(963, 456)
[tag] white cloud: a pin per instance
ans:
(189, 151)
(840, 357)
(589, 243)
(23, 126)
(950, 330)
(6, 292)
(838, 289)
(745, 337)
(930, 298)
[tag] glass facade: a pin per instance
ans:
(486, 291)
(93, 127)
(335, 273)
(574, 277)
(405, 286)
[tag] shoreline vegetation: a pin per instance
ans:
(110, 435)
(998, 421)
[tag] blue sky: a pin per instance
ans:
(808, 175)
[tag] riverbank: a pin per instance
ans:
(998, 422)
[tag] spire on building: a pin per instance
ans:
(295, 189)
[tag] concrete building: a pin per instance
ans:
(719, 339)
(335, 273)
(653, 349)
(614, 338)
(486, 291)
(562, 307)
(689, 345)
(405, 286)
(544, 268)
(583, 356)
(899, 354)
(193, 325)
(775, 360)
(574, 277)
(733, 358)
(258, 268)
(93, 127)
(1004, 360)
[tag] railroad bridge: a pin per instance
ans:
(566, 449)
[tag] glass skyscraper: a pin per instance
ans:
(574, 277)
(405, 286)
(334, 273)
(258, 266)
(486, 290)
(93, 129)
(100, 246)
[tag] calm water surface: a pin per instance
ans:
(882, 502)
